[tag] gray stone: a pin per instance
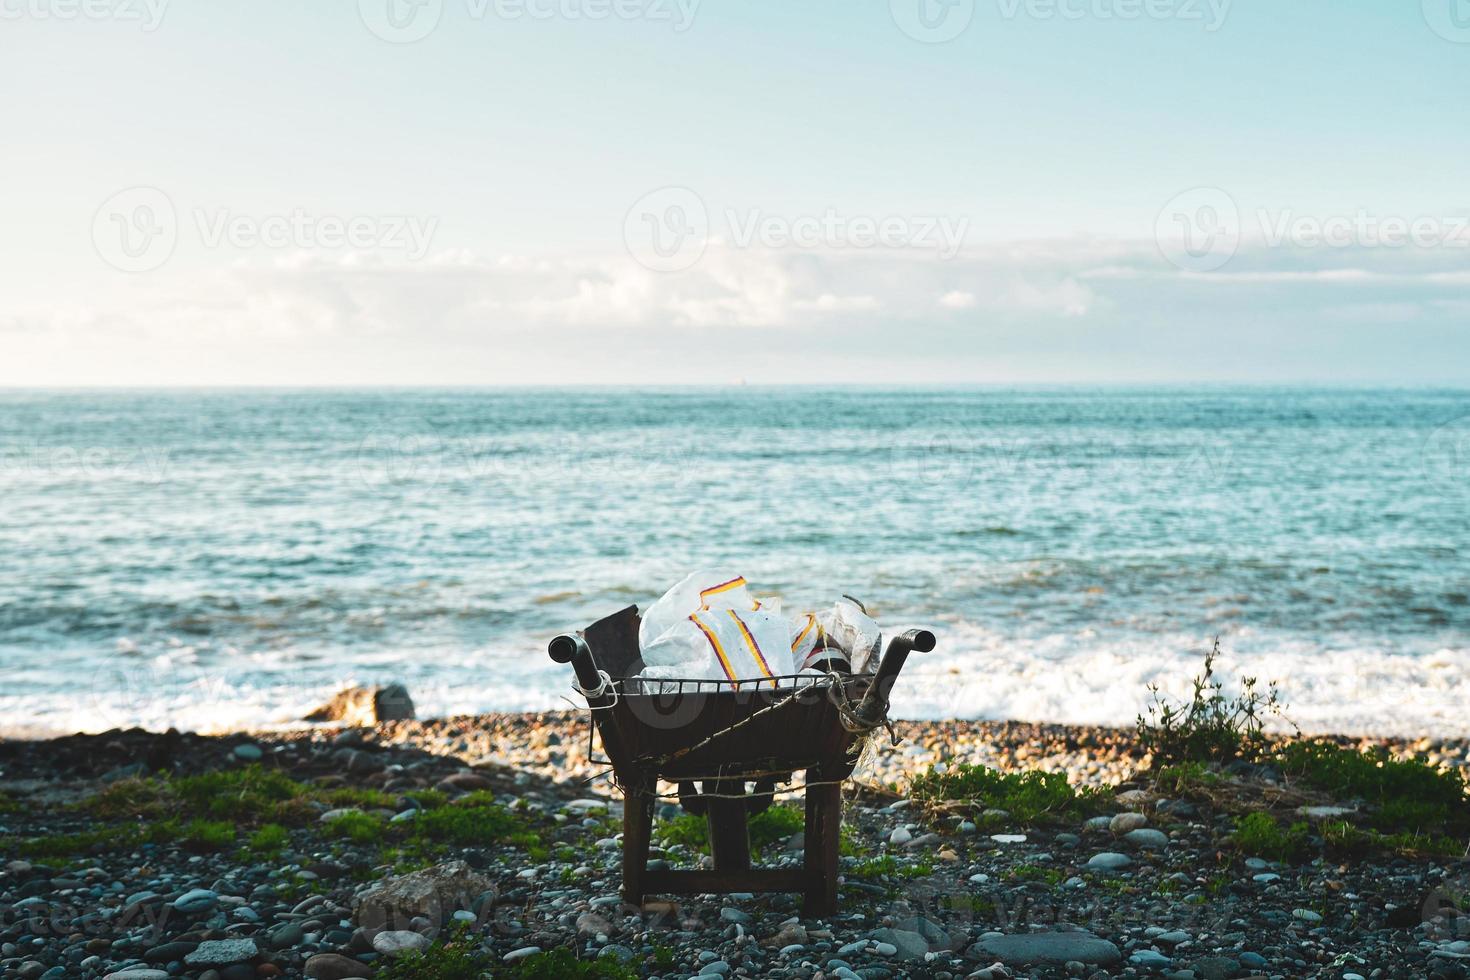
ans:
(198, 900)
(333, 966)
(906, 945)
(248, 753)
(222, 952)
(1047, 949)
(1216, 968)
(363, 706)
(434, 893)
(1124, 822)
(399, 941)
(1109, 861)
(1147, 837)
(137, 974)
(1149, 960)
(520, 954)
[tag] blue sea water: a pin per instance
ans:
(211, 559)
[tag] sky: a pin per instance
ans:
(705, 191)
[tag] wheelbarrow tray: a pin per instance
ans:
(784, 729)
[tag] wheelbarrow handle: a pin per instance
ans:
(571, 648)
(899, 647)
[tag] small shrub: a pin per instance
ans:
(1259, 834)
(687, 829)
(1029, 797)
(269, 839)
(130, 799)
(775, 824)
(472, 820)
(356, 826)
(888, 866)
(457, 958)
(246, 794)
(560, 964)
(207, 835)
(1408, 796)
(1211, 727)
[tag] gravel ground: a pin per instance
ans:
(1150, 888)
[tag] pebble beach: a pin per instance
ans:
(1149, 887)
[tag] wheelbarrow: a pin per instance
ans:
(726, 745)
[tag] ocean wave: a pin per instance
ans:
(977, 672)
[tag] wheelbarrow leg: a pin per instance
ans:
(638, 803)
(823, 835)
(729, 837)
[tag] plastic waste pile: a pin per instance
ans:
(710, 627)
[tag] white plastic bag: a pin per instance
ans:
(709, 626)
(851, 630)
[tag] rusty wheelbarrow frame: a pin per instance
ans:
(723, 736)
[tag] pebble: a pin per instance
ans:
(900, 836)
(198, 900)
(397, 942)
(1148, 838)
(1109, 861)
(1149, 959)
(222, 952)
(248, 753)
(1125, 822)
(520, 954)
(333, 966)
(1306, 915)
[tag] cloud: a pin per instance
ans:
(1058, 308)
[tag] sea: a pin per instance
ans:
(219, 559)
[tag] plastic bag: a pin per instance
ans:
(709, 626)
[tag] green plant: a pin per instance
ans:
(1260, 835)
(1184, 778)
(252, 792)
(1210, 727)
(888, 866)
(561, 964)
(1029, 797)
(207, 835)
(1408, 796)
(458, 957)
(471, 820)
(269, 839)
(356, 826)
(768, 828)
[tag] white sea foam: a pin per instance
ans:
(975, 673)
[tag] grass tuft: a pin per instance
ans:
(1029, 797)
